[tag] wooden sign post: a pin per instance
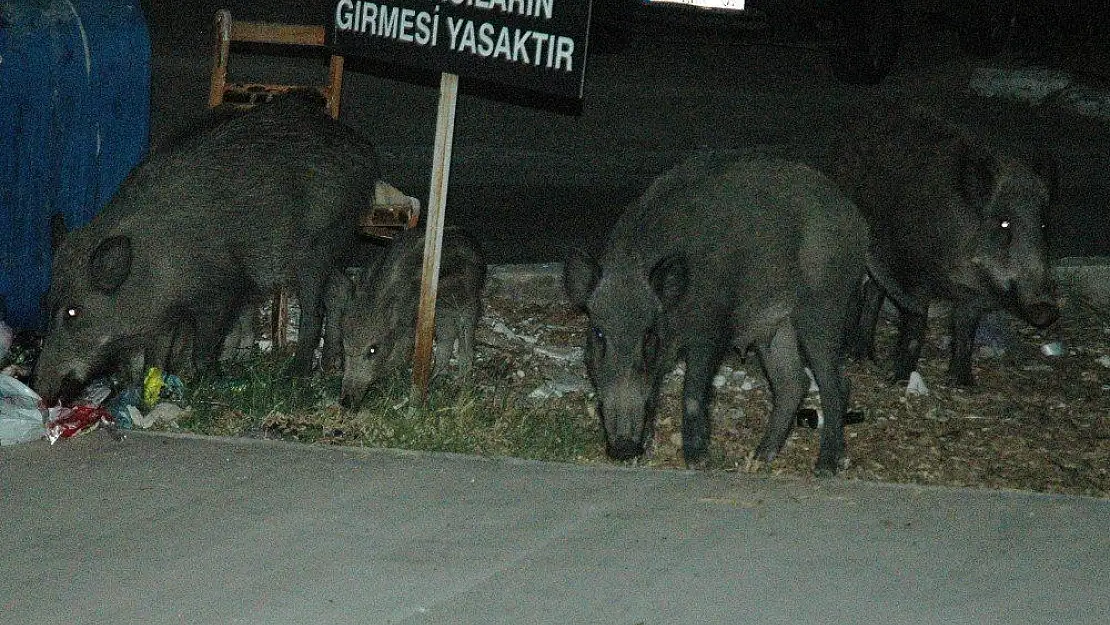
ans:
(433, 233)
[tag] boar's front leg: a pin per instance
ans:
(310, 293)
(911, 333)
(703, 358)
(965, 323)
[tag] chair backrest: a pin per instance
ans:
(249, 94)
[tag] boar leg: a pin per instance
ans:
(965, 323)
(782, 366)
(702, 361)
(466, 342)
(821, 352)
(911, 333)
(862, 321)
(446, 332)
(310, 292)
(211, 329)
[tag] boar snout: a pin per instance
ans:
(1042, 315)
(55, 389)
(351, 396)
(623, 449)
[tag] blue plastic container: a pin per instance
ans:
(74, 121)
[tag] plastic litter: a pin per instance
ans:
(158, 388)
(152, 386)
(21, 413)
(164, 412)
(1055, 348)
(813, 418)
(70, 421)
(916, 385)
(559, 387)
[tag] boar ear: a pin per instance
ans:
(1047, 169)
(339, 290)
(669, 279)
(976, 178)
(580, 275)
(110, 263)
(57, 231)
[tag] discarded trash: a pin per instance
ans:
(125, 405)
(813, 418)
(572, 354)
(159, 386)
(499, 327)
(21, 413)
(559, 387)
(152, 386)
(67, 422)
(916, 385)
(810, 418)
(164, 412)
(1055, 348)
(96, 392)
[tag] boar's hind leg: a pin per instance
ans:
(782, 366)
(965, 323)
(821, 348)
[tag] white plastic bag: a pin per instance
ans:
(20, 412)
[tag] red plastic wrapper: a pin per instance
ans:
(77, 419)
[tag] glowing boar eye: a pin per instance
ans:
(599, 334)
(372, 351)
(1005, 223)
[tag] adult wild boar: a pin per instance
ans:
(722, 254)
(378, 318)
(201, 229)
(951, 218)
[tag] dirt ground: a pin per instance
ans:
(1033, 422)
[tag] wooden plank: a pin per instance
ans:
(292, 34)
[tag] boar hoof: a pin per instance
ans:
(624, 449)
(828, 467)
(753, 463)
(695, 455)
(1043, 315)
(960, 379)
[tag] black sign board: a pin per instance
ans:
(535, 44)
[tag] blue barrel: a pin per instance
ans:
(74, 120)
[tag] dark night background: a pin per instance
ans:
(533, 177)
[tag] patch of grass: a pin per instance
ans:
(257, 398)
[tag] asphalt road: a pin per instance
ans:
(159, 530)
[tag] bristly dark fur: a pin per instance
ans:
(217, 219)
(721, 254)
(951, 218)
